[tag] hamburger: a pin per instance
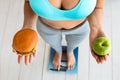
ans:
(25, 41)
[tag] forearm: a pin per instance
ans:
(30, 18)
(96, 18)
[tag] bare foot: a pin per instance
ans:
(71, 60)
(57, 60)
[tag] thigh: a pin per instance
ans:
(51, 36)
(52, 39)
(75, 39)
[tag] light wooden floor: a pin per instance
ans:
(11, 19)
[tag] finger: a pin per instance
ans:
(30, 58)
(19, 54)
(94, 55)
(34, 54)
(26, 59)
(98, 60)
(105, 58)
(13, 50)
(102, 59)
(19, 59)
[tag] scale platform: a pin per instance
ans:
(63, 66)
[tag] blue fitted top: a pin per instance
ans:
(45, 9)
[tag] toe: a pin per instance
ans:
(58, 67)
(71, 66)
(68, 66)
(55, 66)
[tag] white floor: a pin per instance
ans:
(11, 19)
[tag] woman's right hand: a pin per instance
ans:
(27, 58)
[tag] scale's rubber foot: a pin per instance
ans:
(63, 65)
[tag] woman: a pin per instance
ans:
(75, 29)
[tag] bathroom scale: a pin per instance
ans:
(63, 66)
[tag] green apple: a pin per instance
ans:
(101, 46)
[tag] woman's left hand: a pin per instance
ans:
(93, 35)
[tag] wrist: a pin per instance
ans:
(28, 26)
(96, 28)
(98, 32)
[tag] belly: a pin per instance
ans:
(66, 24)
